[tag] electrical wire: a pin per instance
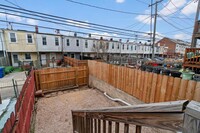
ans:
(103, 8)
(63, 18)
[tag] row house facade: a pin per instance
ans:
(46, 49)
(173, 47)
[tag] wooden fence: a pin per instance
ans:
(20, 119)
(74, 62)
(53, 79)
(146, 86)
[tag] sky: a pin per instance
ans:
(175, 17)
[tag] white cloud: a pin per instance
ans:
(172, 7)
(12, 17)
(32, 21)
(120, 1)
(146, 19)
(182, 36)
(78, 24)
(190, 8)
(105, 35)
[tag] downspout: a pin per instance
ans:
(117, 99)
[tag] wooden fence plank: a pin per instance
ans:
(197, 92)
(175, 89)
(182, 89)
(158, 87)
(163, 89)
(190, 89)
(145, 86)
(153, 88)
(149, 85)
(142, 85)
(169, 89)
(138, 84)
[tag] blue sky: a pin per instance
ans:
(177, 14)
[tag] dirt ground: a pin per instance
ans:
(53, 114)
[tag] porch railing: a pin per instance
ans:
(172, 116)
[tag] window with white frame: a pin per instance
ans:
(123, 46)
(44, 40)
(56, 41)
(93, 44)
(86, 44)
(113, 46)
(77, 43)
(29, 38)
(118, 46)
(13, 37)
(68, 42)
(127, 47)
(27, 56)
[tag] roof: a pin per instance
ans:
(178, 41)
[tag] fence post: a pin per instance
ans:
(0, 99)
(14, 87)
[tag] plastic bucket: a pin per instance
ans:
(187, 75)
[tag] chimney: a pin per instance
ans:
(89, 35)
(101, 38)
(120, 40)
(36, 29)
(111, 39)
(75, 34)
(57, 31)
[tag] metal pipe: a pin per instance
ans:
(117, 99)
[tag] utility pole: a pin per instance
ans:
(194, 40)
(154, 30)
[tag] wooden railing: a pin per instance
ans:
(55, 79)
(75, 62)
(173, 116)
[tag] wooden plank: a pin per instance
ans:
(126, 128)
(196, 96)
(109, 126)
(138, 129)
(132, 81)
(175, 89)
(138, 84)
(170, 83)
(153, 88)
(182, 89)
(149, 85)
(104, 126)
(158, 88)
(190, 89)
(135, 83)
(145, 86)
(175, 106)
(142, 85)
(116, 127)
(163, 89)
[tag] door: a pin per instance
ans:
(15, 60)
(43, 59)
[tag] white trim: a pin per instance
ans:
(10, 38)
(27, 38)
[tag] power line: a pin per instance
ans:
(63, 18)
(75, 25)
(84, 33)
(174, 25)
(103, 8)
(178, 30)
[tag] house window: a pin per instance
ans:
(113, 46)
(77, 43)
(127, 47)
(123, 46)
(135, 48)
(131, 47)
(118, 46)
(29, 38)
(68, 42)
(107, 45)
(13, 37)
(93, 44)
(27, 56)
(56, 41)
(86, 44)
(44, 40)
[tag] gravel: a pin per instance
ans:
(53, 113)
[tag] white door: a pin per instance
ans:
(43, 59)
(15, 60)
(52, 60)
